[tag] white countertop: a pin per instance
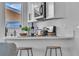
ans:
(34, 38)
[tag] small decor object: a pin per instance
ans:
(23, 34)
(25, 30)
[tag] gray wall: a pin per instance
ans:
(69, 11)
(24, 13)
(2, 21)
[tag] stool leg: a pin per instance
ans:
(20, 52)
(28, 52)
(61, 51)
(56, 51)
(46, 51)
(31, 52)
(50, 51)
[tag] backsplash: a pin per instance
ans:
(61, 28)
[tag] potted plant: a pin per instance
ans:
(25, 30)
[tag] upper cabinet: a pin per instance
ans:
(49, 10)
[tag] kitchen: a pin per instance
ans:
(57, 21)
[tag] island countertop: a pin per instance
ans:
(35, 38)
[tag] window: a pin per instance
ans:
(12, 17)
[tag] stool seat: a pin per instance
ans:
(53, 47)
(25, 48)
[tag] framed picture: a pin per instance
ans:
(40, 11)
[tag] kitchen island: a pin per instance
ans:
(35, 37)
(39, 44)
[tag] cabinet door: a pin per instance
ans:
(49, 10)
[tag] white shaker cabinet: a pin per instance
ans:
(49, 10)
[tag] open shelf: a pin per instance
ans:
(44, 19)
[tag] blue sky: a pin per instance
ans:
(14, 6)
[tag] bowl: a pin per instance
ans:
(23, 34)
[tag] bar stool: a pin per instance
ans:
(26, 48)
(53, 47)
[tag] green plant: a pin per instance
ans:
(25, 28)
